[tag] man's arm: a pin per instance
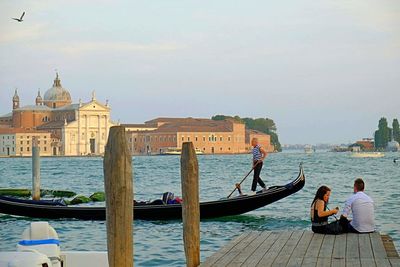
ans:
(264, 153)
(347, 206)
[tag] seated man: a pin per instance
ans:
(362, 208)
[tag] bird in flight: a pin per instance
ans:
(20, 19)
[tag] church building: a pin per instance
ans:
(76, 128)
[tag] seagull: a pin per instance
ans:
(20, 19)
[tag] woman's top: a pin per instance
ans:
(316, 220)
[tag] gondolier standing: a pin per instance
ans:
(259, 154)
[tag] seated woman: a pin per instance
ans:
(319, 214)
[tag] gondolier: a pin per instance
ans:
(259, 154)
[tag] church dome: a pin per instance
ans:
(57, 92)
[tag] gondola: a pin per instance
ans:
(211, 209)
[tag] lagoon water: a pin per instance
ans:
(159, 243)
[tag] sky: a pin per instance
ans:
(324, 71)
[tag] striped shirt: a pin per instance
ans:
(257, 153)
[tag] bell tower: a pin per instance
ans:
(39, 100)
(15, 100)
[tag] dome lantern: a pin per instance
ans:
(57, 96)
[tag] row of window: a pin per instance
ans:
(28, 137)
(27, 142)
(28, 149)
(13, 142)
(153, 138)
(5, 150)
(204, 149)
(8, 137)
(211, 138)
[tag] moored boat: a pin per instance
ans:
(178, 151)
(367, 155)
(210, 209)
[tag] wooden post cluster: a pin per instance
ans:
(118, 183)
(190, 205)
(35, 169)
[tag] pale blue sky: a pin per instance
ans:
(325, 71)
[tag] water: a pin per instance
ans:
(159, 243)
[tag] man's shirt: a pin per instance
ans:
(362, 208)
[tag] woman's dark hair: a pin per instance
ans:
(321, 193)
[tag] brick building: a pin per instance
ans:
(209, 136)
(263, 139)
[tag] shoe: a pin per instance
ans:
(252, 193)
(265, 189)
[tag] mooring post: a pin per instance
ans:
(118, 183)
(35, 169)
(190, 205)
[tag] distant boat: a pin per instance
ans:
(368, 155)
(308, 149)
(178, 151)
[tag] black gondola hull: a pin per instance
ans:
(211, 209)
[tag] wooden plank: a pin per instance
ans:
(395, 262)
(352, 251)
(327, 247)
(286, 252)
(339, 251)
(249, 250)
(309, 262)
(262, 249)
(382, 262)
(338, 262)
(365, 248)
(390, 248)
(325, 253)
(367, 262)
(353, 262)
(314, 247)
(377, 246)
(228, 257)
(225, 249)
(297, 256)
(272, 253)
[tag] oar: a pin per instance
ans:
(238, 185)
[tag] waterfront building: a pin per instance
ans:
(18, 142)
(366, 144)
(76, 129)
(263, 139)
(211, 137)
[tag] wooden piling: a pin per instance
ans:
(190, 205)
(118, 183)
(35, 169)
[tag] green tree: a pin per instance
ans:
(396, 130)
(382, 135)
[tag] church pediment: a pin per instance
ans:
(94, 105)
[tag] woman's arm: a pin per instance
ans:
(320, 209)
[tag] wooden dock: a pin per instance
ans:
(304, 248)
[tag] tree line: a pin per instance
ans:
(264, 125)
(385, 134)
